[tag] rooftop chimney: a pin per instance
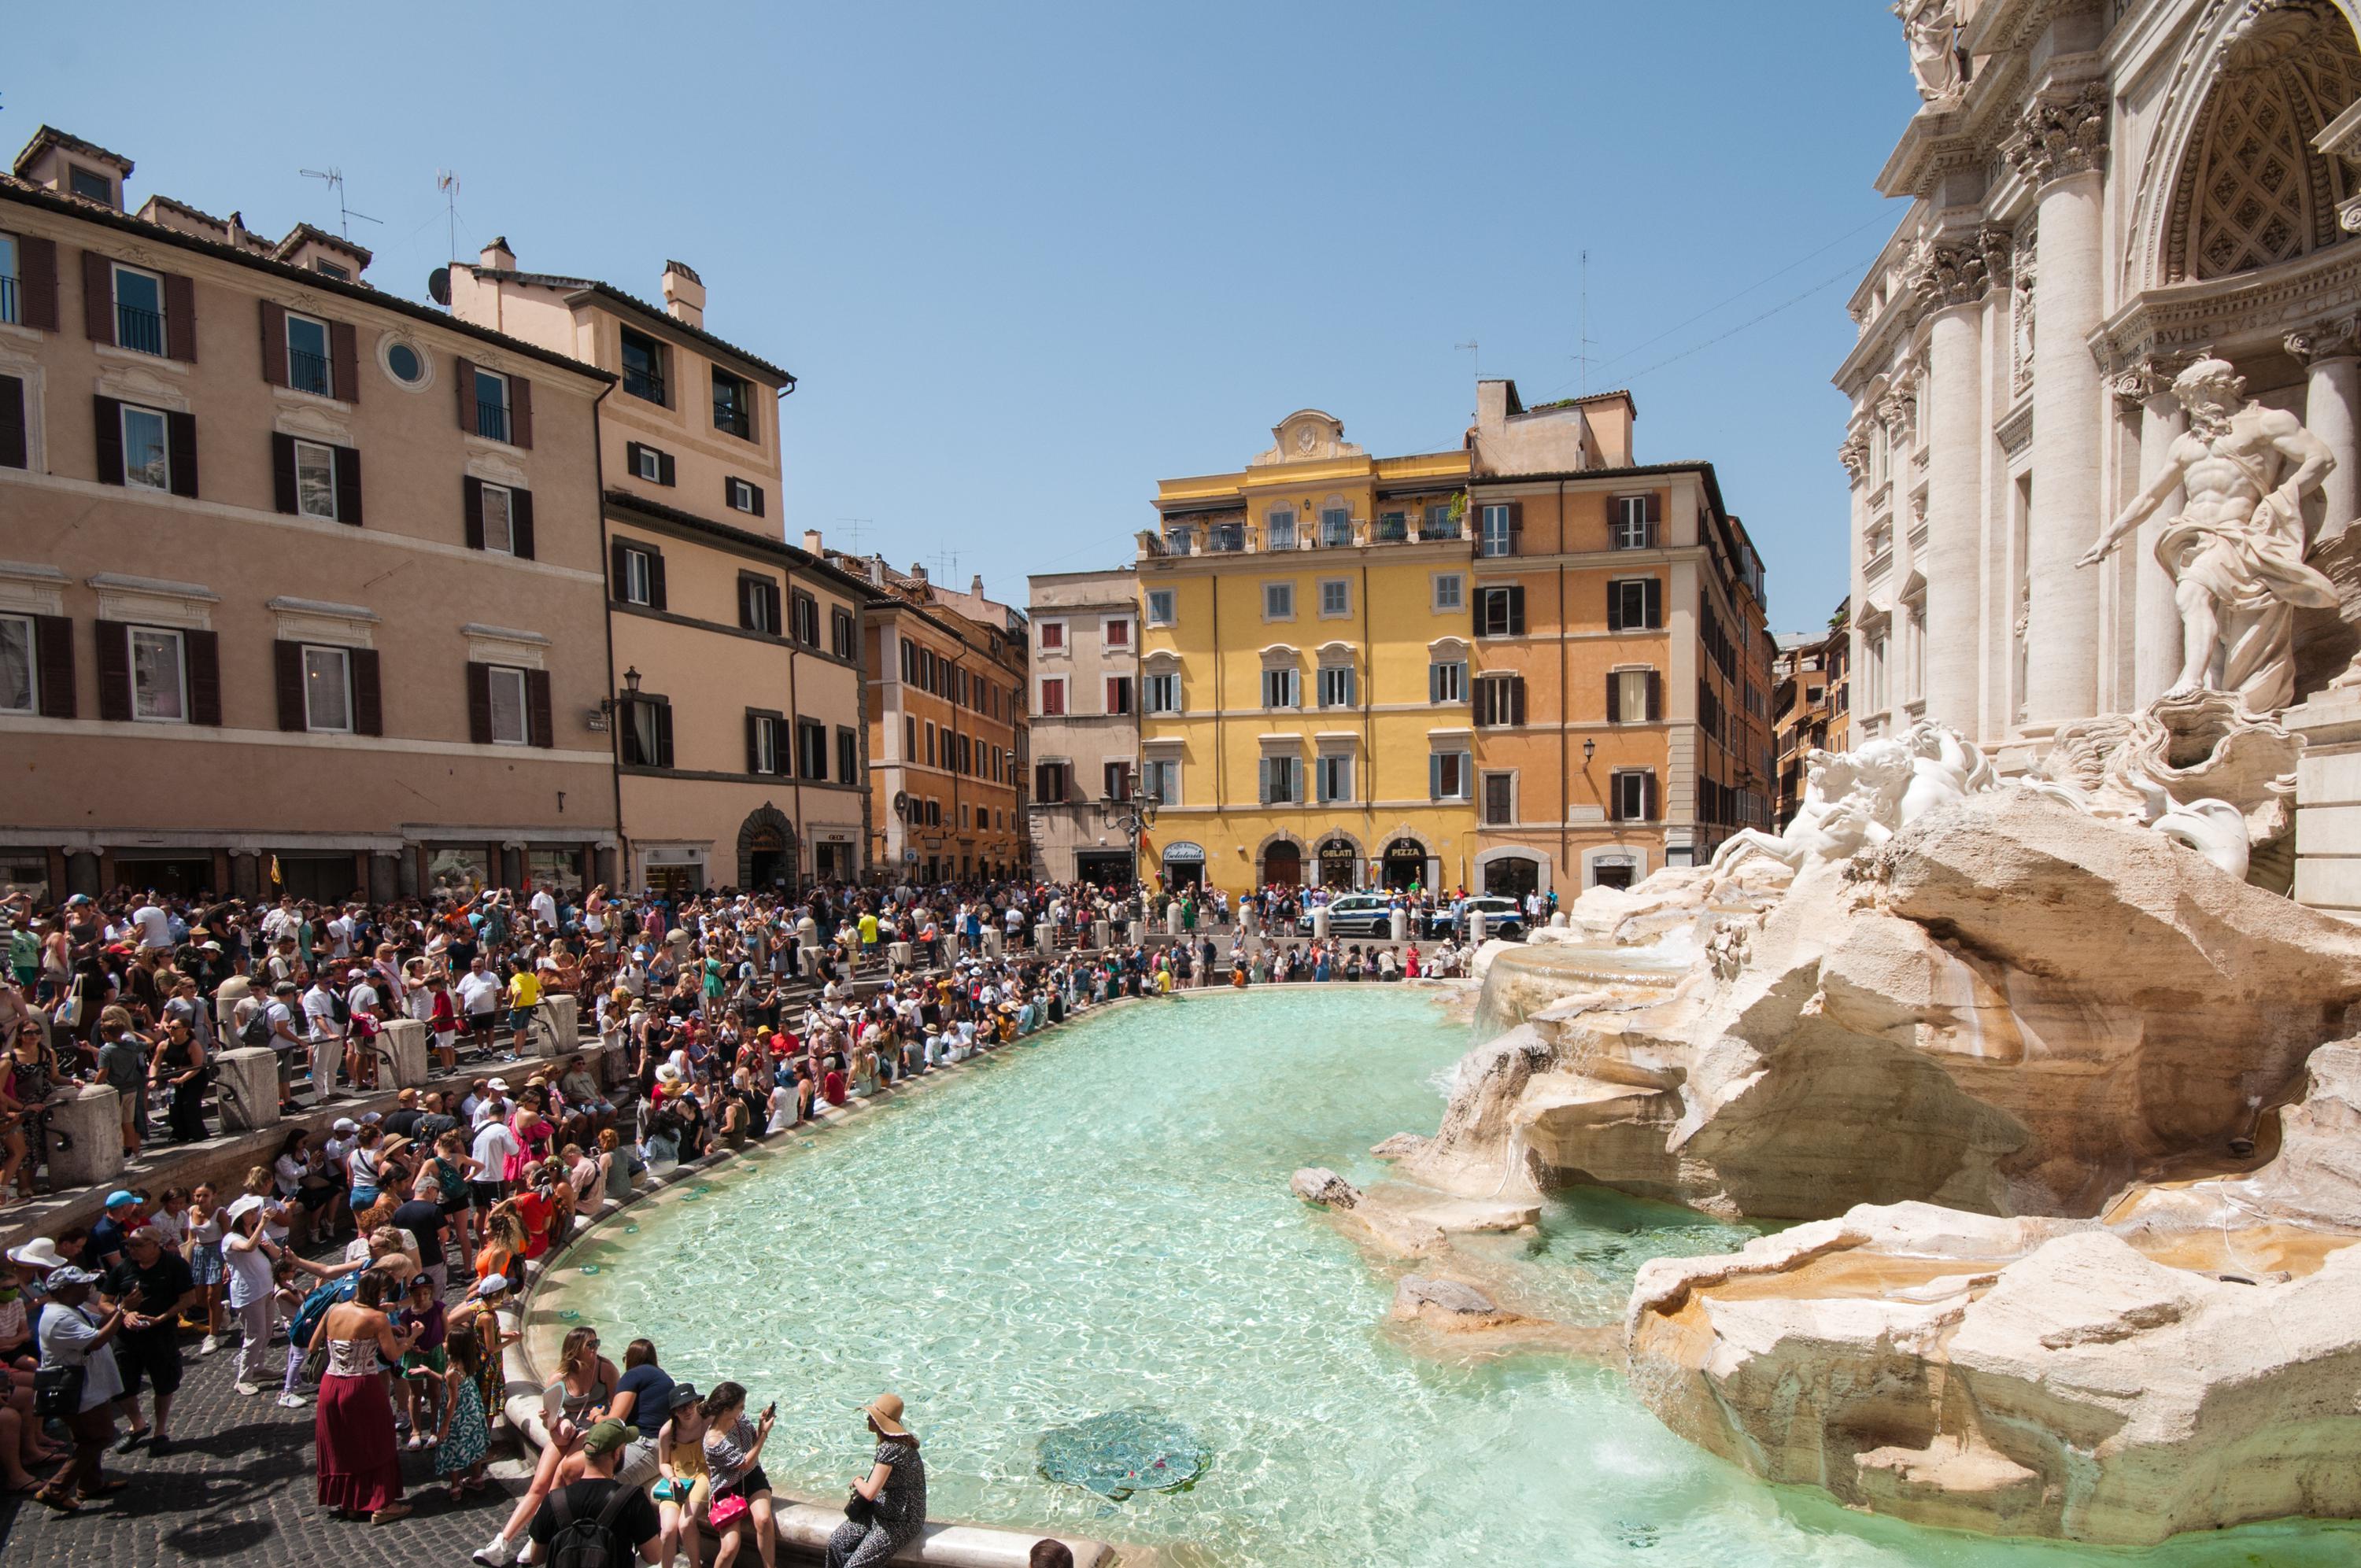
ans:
(876, 572)
(917, 571)
(812, 543)
(684, 294)
(498, 255)
(976, 586)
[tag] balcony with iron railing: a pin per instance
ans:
(139, 329)
(491, 419)
(648, 384)
(308, 372)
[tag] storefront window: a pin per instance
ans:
(559, 871)
(458, 872)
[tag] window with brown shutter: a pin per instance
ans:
(15, 450)
(540, 730)
(287, 678)
(521, 524)
(180, 442)
(274, 349)
(36, 283)
(283, 472)
(55, 635)
(471, 495)
(519, 412)
(98, 296)
(203, 649)
(369, 697)
(344, 358)
(1655, 695)
(108, 417)
(348, 486)
(114, 638)
(180, 320)
(1614, 696)
(467, 381)
(480, 703)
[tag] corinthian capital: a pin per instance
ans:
(1854, 454)
(1959, 269)
(2063, 131)
(2324, 340)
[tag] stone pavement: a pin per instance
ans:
(238, 1487)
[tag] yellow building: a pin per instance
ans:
(1304, 646)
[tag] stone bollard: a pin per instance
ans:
(247, 1088)
(1100, 932)
(1138, 932)
(1045, 936)
(808, 955)
(558, 1032)
(807, 932)
(898, 954)
(1320, 923)
(405, 1044)
(992, 941)
(1557, 921)
(1172, 918)
(1475, 924)
(1400, 921)
(1250, 919)
(92, 1119)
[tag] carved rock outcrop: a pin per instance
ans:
(2011, 1007)
(2186, 1361)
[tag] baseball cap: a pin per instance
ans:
(118, 1198)
(491, 1283)
(69, 1274)
(606, 1437)
(345, 1124)
(499, 1086)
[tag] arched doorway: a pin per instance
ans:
(1404, 865)
(767, 860)
(1283, 865)
(1340, 863)
(1511, 876)
(1184, 866)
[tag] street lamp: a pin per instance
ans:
(606, 704)
(1135, 817)
(1590, 750)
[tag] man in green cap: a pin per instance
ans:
(597, 1513)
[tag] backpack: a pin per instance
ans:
(315, 1307)
(579, 1542)
(255, 1033)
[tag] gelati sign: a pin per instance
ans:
(1184, 851)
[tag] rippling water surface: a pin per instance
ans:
(1100, 1221)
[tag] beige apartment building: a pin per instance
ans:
(733, 673)
(249, 628)
(1085, 731)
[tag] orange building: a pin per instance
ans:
(1620, 674)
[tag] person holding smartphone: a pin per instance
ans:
(733, 1459)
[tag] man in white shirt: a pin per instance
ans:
(282, 923)
(154, 923)
(340, 934)
(480, 997)
(544, 907)
(494, 1146)
(326, 1035)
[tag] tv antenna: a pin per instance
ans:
(946, 566)
(334, 178)
(1584, 342)
(856, 525)
(447, 182)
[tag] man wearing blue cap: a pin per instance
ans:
(122, 1216)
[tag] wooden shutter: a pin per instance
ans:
(754, 741)
(54, 633)
(1516, 699)
(369, 698)
(108, 416)
(348, 486)
(616, 570)
(1654, 596)
(287, 674)
(1655, 520)
(1517, 610)
(1614, 605)
(1515, 528)
(655, 579)
(205, 676)
(771, 603)
(274, 349)
(663, 468)
(1648, 796)
(1655, 695)
(14, 449)
(1433, 682)
(466, 379)
(663, 735)
(1614, 698)
(282, 471)
(97, 297)
(114, 670)
(1434, 775)
(519, 412)
(471, 493)
(37, 282)
(1263, 784)
(746, 589)
(179, 320)
(181, 443)
(480, 703)
(757, 492)
(521, 524)
(343, 361)
(543, 731)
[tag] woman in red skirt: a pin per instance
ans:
(360, 1466)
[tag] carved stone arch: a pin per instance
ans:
(2246, 188)
(1280, 857)
(767, 832)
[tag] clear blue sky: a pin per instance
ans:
(1027, 260)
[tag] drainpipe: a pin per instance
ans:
(1564, 711)
(794, 739)
(607, 620)
(1369, 719)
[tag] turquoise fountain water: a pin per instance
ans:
(1100, 1221)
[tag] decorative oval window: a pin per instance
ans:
(405, 362)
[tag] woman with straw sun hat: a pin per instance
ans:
(888, 1505)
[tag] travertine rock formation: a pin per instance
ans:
(2011, 1007)
(2190, 1360)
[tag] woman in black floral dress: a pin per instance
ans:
(896, 1486)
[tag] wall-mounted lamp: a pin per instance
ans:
(1590, 750)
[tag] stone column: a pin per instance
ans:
(2059, 146)
(81, 873)
(2156, 619)
(384, 877)
(1952, 279)
(2332, 411)
(247, 1088)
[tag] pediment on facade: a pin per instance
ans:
(1306, 436)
